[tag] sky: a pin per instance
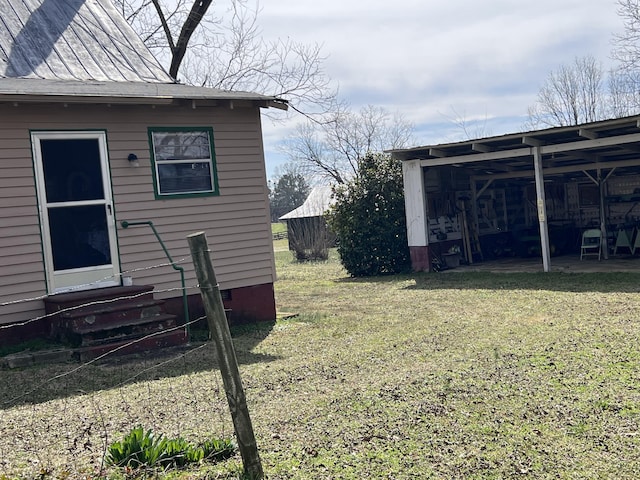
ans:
(438, 62)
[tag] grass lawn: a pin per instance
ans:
(461, 375)
(278, 227)
(281, 245)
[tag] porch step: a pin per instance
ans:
(62, 301)
(102, 320)
(130, 330)
(127, 347)
(109, 314)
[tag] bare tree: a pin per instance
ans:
(627, 44)
(334, 148)
(624, 93)
(624, 82)
(571, 95)
(581, 92)
(307, 147)
(469, 128)
(224, 49)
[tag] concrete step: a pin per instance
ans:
(101, 320)
(105, 315)
(130, 330)
(126, 346)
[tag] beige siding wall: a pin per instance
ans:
(236, 221)
(21, 268)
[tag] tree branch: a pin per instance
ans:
(163, 22)
(198, 10)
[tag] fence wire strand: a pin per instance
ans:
(59, 419)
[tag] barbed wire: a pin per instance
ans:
(87, 286)
(64, 422)
(88, 304)
(72, 433)
(100, 357)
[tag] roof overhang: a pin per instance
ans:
(316, 204)
(27, 90)
(599, 145)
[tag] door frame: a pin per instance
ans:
(91, 277)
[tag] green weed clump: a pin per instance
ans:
(140, 449)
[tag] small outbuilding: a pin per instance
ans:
(528, 194)
(307, 229)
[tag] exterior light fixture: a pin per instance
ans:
(133, 160)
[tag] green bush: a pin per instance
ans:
(142, 448)
(369, 219)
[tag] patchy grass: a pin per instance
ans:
(29, 346)
(281, 245)
(465, 375)
(278, 227)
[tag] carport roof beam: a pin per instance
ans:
(480, 157)
(528, 151)
(567, 169)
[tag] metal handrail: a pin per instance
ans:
(185, 305)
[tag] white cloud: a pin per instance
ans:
(425, 59)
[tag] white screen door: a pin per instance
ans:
(76, 210)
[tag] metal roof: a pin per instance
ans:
(35, 90)
(84, 51)
(599, 145)
(72, 40)
(316, 204)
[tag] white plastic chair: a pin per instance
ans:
(591, 243)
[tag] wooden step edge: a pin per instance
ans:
(111, 307)
(98, 294)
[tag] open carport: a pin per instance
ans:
(524, 195)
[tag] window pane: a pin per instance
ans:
(79, 237)
(72, 169)
(181, 145)
(184, 177)
(183, 161)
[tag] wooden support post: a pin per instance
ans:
(225, 351)
(542, 209)
(466, 241)
(603, 215)
(415, 204)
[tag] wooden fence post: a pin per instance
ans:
(220, 334)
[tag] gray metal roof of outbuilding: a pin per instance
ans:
(316, 204)
(72, 40)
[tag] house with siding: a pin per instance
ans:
(100, 150)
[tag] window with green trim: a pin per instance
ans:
(183, 161)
